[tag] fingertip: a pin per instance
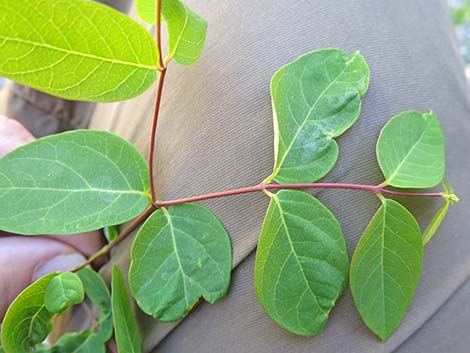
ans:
(12, 135)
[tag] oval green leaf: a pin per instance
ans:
(63, 291)
(98, 294)
(186, 29)
(72, 182)
(179, 255)
(315, 98)
(27, 321)
(125, 324)
(301, 262)
(411, 150)
(75, 49)
(386, 268)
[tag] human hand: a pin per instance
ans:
(24, 259)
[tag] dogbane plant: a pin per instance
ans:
(86, 180)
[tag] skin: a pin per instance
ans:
(24, 259)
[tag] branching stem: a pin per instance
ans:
(153, 134)
(377, 189)
(127, 231)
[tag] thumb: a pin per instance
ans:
(13, 135)
(25, 259)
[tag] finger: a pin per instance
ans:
(25, 259)
(86, 243)
(12, 135)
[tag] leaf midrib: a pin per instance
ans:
(295, 253)
(172, 232)
(33, 318)
(400, 165)
(180, 36)
(382, 263)
(287, 151)
(82, 54)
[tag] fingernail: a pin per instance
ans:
(61, 263)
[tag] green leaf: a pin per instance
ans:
(75, 49)
(435, 223)
(72, 182)
(63, 291)
(27, 321)
(98, 293)
(90, 340)
(316, 98)
(186, 29)
(179, 255)
(82, 342)
(386, 267)
(411, 151)
(125, 324)
(301, 262)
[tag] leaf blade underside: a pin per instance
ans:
(75, 49)
(411, 150)
(386, 267)
(186, 29)
(178, 256)
(63, 291)
(27, 321)
(72, 182)
(301, 262)
(93, 339)
(315, 98)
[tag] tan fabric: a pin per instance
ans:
(44, 115)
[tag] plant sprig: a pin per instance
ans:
(86, 180)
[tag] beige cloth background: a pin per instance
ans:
(216, 133)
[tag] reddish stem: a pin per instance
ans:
(156, 114)
(127, 231)
(158, 95)
(378, 189)
(112, 347)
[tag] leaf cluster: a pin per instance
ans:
(85, 180)
(29, 318)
